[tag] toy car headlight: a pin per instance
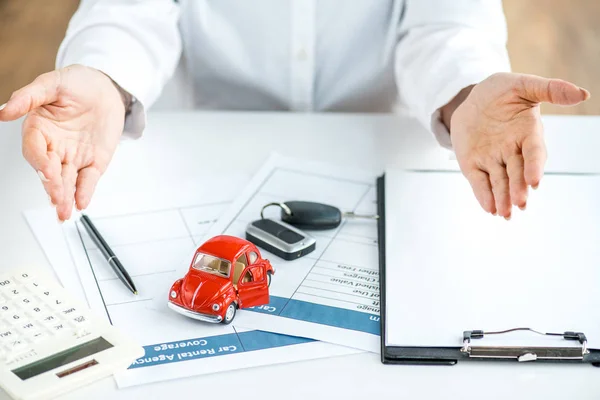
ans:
(216, 307)
(173, 294)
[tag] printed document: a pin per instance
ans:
(332, 293)
(153, 234)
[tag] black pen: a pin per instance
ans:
(108, 253)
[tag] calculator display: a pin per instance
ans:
(63, 358)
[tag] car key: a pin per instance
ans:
(279, 238)
(313, 216)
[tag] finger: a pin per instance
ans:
(537, 90)
(500, 189)
(534, 157)
(43, 90)
(47, 164)
(480, 183)
(86, 184)
(517, 184)
(69, 176)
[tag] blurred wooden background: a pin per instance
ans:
(553, 38)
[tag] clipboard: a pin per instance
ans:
(473, 346)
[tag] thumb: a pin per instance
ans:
(43, 90)
(556, 91)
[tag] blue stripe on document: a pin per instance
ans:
(260, 340)
(213, 346)
(321, 314)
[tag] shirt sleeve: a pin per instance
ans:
(444, 46)
(135, 42)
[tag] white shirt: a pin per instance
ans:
(296, 55)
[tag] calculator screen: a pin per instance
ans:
(63, 358)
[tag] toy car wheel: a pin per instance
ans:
(229, 313)
(269, 279)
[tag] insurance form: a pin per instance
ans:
(331, 294)
(153, 236)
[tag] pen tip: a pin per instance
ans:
(135, 292)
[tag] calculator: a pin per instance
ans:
(50, 343)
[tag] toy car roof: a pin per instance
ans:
(224, 246)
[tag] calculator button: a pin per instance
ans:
(25, 300)
(68, 311)
(7, 334)
(36, 310)
(42, 292)
(6, 283)
(11, 313)
(80, 320)
(22, 278)
(5, 309)
(49, 319)
(13, 292)
(61, 326)
(16, 317)
(55, 303)
(36, 287)
(58, 326)
(16, 344)
(28, 326)
(38, 336)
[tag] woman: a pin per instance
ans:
(446, 61)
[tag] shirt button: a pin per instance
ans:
(302, 55)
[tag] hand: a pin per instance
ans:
(497, 136)
(75, 117)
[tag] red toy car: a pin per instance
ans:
(226, 273)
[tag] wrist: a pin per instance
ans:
(126, 98)
(447, 111)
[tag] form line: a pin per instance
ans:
(336, 291)
(341, 301)
(135, 276)
(337, 284)
(342, 270)
(127, 302)
(348, 279)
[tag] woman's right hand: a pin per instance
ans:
(75, 118)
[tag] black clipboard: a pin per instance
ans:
(473, 348)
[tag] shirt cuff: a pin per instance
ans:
(117, 63)
(446, 94)
(135, 121)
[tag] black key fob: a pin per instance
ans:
(279, 238)
(311, 216)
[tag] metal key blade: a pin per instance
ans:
(351, 214)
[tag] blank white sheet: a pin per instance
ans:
(451, 267)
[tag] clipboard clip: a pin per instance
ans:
(522, 354)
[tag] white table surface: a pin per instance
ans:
(240, 142)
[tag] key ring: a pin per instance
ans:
(285, 208)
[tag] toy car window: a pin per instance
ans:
(213, 265)
(247, 277)
(258, 274)
(252, 256)
(242, 259)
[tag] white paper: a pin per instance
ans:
(331, 294)
(450, 267)
(152, 238)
